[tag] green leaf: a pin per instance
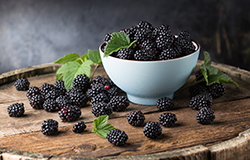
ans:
(207, 59)
(67, 58)
(120, 40)
(84, 57)
(59, 76)
(101, 127)
(94, 56)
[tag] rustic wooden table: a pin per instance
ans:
(228, 137)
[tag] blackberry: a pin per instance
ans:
(101, 81)
(51, 94)
(117, 137)
(145, 55)
(148, 44)
(164, 104)
(130, 32)
(60, 87)
(200, 101)
(205, 115)
(69, 113)
(164, 41)
(99, 109)
(135, 118)
(107, 37)
(125, 53)
(119, 103)
(81, 82)
(152, 130)
(36, 101)
(45, 88)
(50, 105)
(185, 43)
(95, 89)
(79, 127)
(16, 110)
(49, 127)
(101, 97)
(168, 53)
(167, 119)
(114, 91)
(161, 30)
(142, 34)
(76, 97)
(62, 101)
(197, 89)
(217, 90)
(145, 24)
(32, 91)
(22, 84)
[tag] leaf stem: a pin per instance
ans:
(93, 73)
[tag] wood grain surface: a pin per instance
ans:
(232, 112)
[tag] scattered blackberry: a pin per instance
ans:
(51, 94)
(119, 103)
(186, 43)
(168, 53)
(32, 91)
(145, 55)
(37, 101)
(81, 82)
(95, 89)
(50, 105)
(62, 101)
(69, 113)
(16, 110)
(217, 90)
(49, 127)
(107, 37)
(117, 137)
(22, 84)
(114, 91)
(152, 130)
(101, 97)
(205, 115)
(164, 104)
(60, 87)
(99, 109)
(135, 118)
(125, 53)
(79, 127)
(167, 119)
(45, 88)
(197, 89)
(76, 97)
(200, 101)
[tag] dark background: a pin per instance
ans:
(34, 32)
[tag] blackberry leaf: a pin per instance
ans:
(101, 127)
(67, 58)
(94, 56)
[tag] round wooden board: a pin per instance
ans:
(226, 138)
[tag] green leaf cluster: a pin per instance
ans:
(212, 74)
(73, 65)
(119, 40)
(101, 126)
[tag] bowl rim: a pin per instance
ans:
(196, 44)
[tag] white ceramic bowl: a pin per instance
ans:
(147, 81)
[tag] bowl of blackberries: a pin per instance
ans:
(155, 65)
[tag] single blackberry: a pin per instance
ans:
(164, 104)
(200, 101)
(81, 82)
(62, 101)
(117, 137)
(36, 101)
(69, 113)
(95, 89)
(32, 91)
(79, 127)
(142, 34)
(22, 84)
(168, 53)
(113, 91)
(135, 118)
(50, 105)
(145, 24)
(152, 130)
(125, 53)
(205, 115)
(16, 110)
(167, 119)
(217, 90)
(49, 127)
(45, 88)
(162, 30)
(99, 109)
(51, 94)
(197, 89)
(185, 43)
(60, 87)
(101, 97)
(107, 37)
(164, 41)
(76, 97)
(119, 103)
(148, 44)
(145, 55)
